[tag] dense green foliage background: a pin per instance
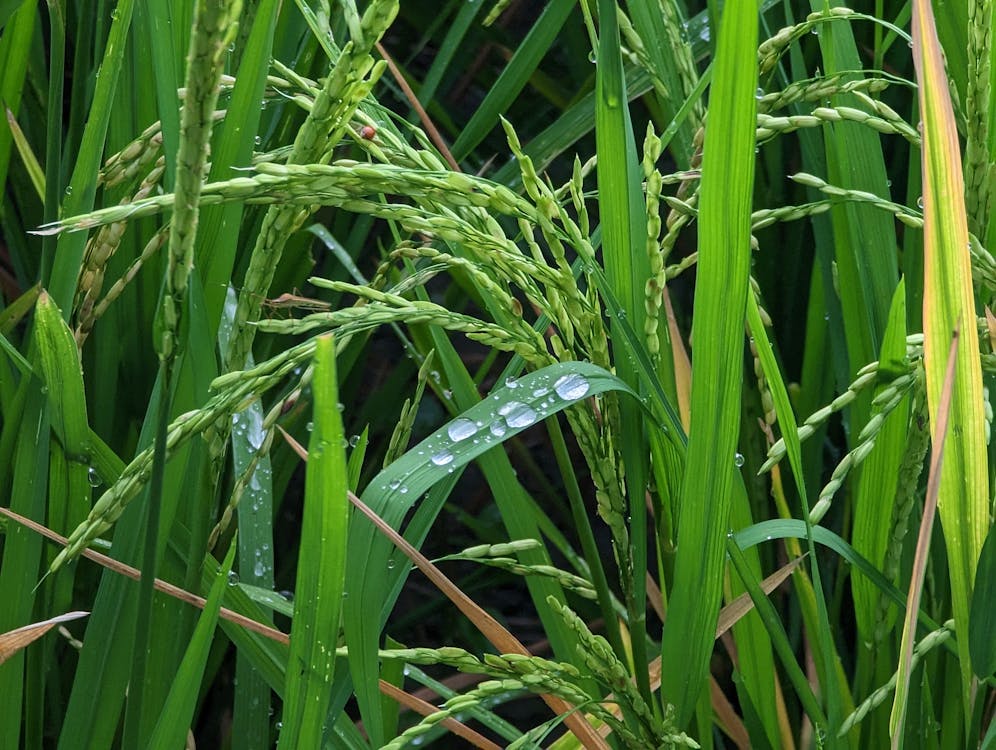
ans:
(636, 317)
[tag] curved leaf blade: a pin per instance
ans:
(374, 581)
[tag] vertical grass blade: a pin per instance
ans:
(720, 304)
(515, 76)
(948, 305)
(981, 627)
(623, 224)
(873, 503)
(939, 430)
(178, 712)
(22, 552)
(83, 185)
(15, 46)
(321, 567)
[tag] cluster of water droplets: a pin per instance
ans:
(537, 402)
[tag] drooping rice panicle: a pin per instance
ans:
(347, 83)
(215, 29)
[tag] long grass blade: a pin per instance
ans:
(720, 304)
(177, 715)
(621, 206)
(505, 413)
(939, 435)
(321, 569)
(948, 305)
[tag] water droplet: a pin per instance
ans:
(591, 57)
(259, 569)
(498, 428)
(390, 563)
(93, 476)
(233, 578)
(517, 414)
(288, 595)
(69, 189)
(461, 429)
(280, 725)
(310, 426)
(759, 94)
(257, 140)
(511, 383)
(571, 387)
(442, 458)
(738, 460)
(919, 202)
(448, 394)
(395, 484)
(341, 407)
(354, 441)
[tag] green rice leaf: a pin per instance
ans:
(720, 304)
(178, 712)
(981, 625)
(374, 578)
(514, 78)
(321, 566)
(879, 477)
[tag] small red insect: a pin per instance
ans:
(368, 132)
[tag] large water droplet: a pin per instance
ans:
(738, 459)
(233, 578)
(571, 387)
(499, 428)
(517, 414)
(461, 429)
(442, 458)
(93, 476)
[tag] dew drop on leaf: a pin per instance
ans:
(517, 414)
(571, 387)
(461, 429)
(442, 458)
(738, 460)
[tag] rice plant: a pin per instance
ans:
(298, 300)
